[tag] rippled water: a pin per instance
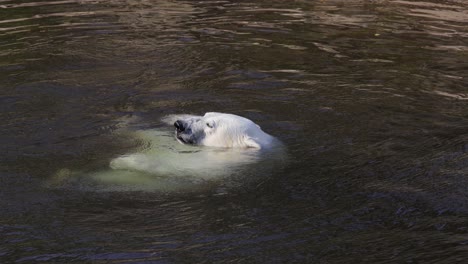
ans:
(370, 98)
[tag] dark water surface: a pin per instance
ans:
(370, 98)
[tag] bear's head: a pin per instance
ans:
(221, 130)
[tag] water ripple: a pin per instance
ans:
(369, 96)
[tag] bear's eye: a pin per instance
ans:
(209, 125)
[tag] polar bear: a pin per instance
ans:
(217, 150)
(212, 146)
(221, 130)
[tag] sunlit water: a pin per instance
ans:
(369, 97)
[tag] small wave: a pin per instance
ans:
(458, 96)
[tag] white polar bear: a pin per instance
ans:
(221, 130)
(215, 146)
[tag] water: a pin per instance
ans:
(368, 96)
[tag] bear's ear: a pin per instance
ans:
(251, 143)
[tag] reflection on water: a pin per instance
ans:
(369, 97)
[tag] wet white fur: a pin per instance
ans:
(233, 148)
(231, 131)
(228, 142)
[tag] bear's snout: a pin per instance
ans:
(179, 125)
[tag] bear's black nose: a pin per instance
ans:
(179, 126)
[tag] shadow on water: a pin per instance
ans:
(368, 96)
